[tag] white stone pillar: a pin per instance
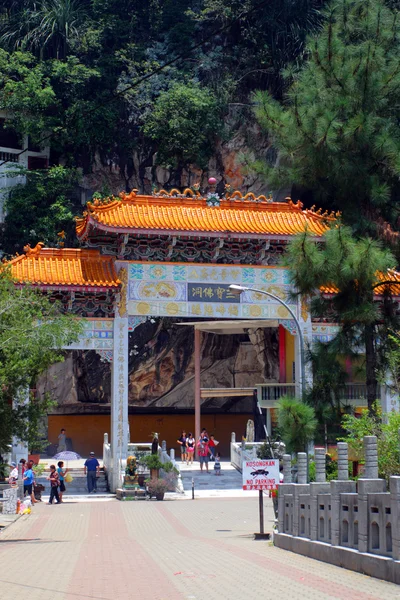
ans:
(20, 447)
(119, 398)
(269, 421)
(389, 397)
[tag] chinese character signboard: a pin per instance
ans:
(260, 474)
(211, 292)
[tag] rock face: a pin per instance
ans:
(227, 164)
(161, 368)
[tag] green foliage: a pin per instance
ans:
(386, 428)
(337, 133)
(151, 461)
(390, 364)
(45, 27)
(26, 92)
(264, 451)
(349, 268)
(331, 467)
(32, 335)
(110, 43)
(328, 383)
(168, 467)
(185, 121)
(38, 210)
(296, 422)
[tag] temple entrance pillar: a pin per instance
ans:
(20, 447)
(119, 399)
(197, 384)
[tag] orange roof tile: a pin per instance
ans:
(390, 283)
(64, 267)
(180, 213)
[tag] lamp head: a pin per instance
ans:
(237, 289)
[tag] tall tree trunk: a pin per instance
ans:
(370, 359)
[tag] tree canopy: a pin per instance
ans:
(32, 335)
(340, 277)
(337, 130)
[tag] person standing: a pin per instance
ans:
(29, 478)
(190, 444)
(182, 442)
(212, 444)
(61, 475)
(91, 468)
(217, 464)
(62, 441)
(13, 477)
(203, 451)
(54, 481)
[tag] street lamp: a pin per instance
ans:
(239, 289)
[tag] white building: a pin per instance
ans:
(12, 156)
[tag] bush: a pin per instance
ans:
(297, 423)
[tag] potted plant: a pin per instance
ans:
(157, 487)
(154, 464)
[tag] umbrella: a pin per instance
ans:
(67, 455)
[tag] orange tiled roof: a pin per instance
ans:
(189, 212)
(391, 276)
(64, 267)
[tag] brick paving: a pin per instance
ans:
(167, 550)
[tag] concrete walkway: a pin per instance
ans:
(194, 550)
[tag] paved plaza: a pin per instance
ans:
(171, 550)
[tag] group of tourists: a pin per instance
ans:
(28, 477)
(206, 450)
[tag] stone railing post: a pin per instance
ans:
(301, 467)
(233, 437)
(300, 488)
(368, 484)
(172, 453)
(164, 446)
(320, 465)
(287, 468)
(395, 511)
(343, 461)
(371, 457)
(105, 438)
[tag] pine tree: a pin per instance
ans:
(337, 132)
(341, 277)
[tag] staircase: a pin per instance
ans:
(78, 486)
(229, 480)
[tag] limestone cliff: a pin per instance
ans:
(161, 368)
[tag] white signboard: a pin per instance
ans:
(260, 474)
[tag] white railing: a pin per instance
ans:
(269, 393)
(242, 451)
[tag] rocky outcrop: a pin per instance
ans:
(161, 368)
(230, 164)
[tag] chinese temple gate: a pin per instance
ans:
(175, 255)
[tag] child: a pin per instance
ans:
(190, 444)
(54, 481)
(217, 464)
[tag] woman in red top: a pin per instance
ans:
(203, 451)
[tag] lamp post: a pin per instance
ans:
(239, 289)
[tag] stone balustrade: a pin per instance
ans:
(326, 520)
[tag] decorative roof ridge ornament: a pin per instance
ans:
(33, 251)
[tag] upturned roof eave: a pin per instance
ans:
(92, 223)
